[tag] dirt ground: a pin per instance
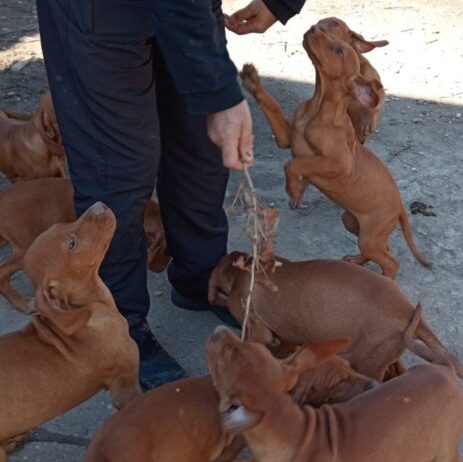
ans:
(420, 138)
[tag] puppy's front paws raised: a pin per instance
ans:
(250, 78)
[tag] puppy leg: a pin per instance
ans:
(269, 105)
(375, 250)
(350, 223)
(296, 185)
(374, 243)
(7, 268)
(2, 454)
(358, 259)
(394, 370)
(13, 443)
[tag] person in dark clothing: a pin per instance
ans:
(145, 89)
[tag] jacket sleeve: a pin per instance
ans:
(284, 10)
(196, 55)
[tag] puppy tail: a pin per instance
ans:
(407, 232)
(422, 341)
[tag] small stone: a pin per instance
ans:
(20, 65)
(156, 293)
(458, 115)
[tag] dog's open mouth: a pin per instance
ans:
(232, 412)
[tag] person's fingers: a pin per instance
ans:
(246, 146)
(248, 27)
(230, 156)
(244, 14)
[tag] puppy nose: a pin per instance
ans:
(220, 329)
(98, 207)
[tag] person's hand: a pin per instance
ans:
(255, 17)
(231, 130)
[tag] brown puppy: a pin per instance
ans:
(177, 422)
(412, 418)
(311, 300)
(364, 120)
(334, 381)
(31, 148)
(30, 207)
(78, 343)
(327, 154)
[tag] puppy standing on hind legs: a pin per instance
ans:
(327, 153)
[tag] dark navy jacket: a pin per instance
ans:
(195, 51)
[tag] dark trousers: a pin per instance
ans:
(121, 118)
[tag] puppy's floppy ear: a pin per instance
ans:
(240, 420)
(364, 46)
(68, 320)
(308, 357)
(367, 92)
(48, 127)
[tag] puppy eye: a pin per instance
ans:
(72, 243)
(339, 51)
(334, 24)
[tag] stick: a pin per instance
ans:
(254, 249)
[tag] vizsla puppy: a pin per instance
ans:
(413, 418)
(333, 381)
(312, 300)
(177, 422)
(30, 207)
(327, 154)
(31, 147)
(364, 120)
(78, 343)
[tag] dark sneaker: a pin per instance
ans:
(193, 304)
(157, 367)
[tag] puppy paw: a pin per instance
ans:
(355, 259)
(250, 78)
(295, 203)
(30, 306)
(13, 443)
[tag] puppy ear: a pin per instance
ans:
(240, 263)
(68, 320)
(47, 126)
(364, 46)
(308, 357)
(239, 420)
(367, 92)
